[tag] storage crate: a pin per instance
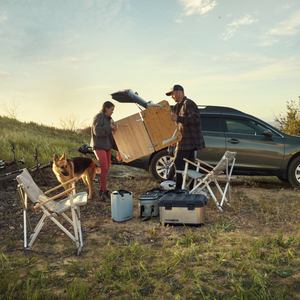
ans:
(182, 208)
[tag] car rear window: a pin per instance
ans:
(209, 123)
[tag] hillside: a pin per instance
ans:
(28, 136)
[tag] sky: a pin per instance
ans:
(62, 58)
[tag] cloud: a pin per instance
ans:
(233, 26)
(201, 7)
(266, 41)
(288, 27)
(2, 73)
(3, 17)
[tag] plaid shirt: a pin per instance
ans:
(190, 125)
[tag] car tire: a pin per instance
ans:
(294, 173)
(161, 164)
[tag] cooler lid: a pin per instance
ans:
(121, 192)
(156, 191)
(148, 197)
(190, 201)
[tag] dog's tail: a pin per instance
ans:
(98, 170)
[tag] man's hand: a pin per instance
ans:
(174, 117)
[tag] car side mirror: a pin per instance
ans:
(268, 135)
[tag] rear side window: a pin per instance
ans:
(244, 126)
(209, 123)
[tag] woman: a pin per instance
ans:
(102, 142)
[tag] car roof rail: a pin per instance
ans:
(218, 109)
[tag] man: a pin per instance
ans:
(185, 113)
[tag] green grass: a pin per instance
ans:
(183, 269)
(249, 251)
(28, 136)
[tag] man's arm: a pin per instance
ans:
(191, 116)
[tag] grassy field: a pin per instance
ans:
(248, 251)
(28, 136)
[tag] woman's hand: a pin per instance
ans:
(113, 126)
(119, 157)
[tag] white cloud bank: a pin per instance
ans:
(201, 7)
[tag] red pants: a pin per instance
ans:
(104, 159)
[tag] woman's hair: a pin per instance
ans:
(106, 104)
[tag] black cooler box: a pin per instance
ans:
(182, 208)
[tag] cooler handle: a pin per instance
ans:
(168, 206)
(122, 192)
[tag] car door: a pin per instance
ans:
(258, 146)
(214, 137)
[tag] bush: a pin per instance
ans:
(290, 123)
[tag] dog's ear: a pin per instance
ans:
(55, 158)
(63, 156)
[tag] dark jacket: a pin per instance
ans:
(102, 138)
(190, 125)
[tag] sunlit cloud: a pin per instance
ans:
(288, 27)
(2, 73)
(266, 41)
(269, 69)
(3, 17)
(201, 7)
(233, 26)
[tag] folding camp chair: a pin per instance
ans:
(202, 181)
(51, 209)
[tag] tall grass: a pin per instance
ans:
(28, 136)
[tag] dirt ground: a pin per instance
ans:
(99, 228)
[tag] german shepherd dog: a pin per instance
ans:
(80, 167)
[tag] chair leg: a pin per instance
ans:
(75, 226)
(214, 197)
(25, 228)
(223, 194)
(78, 223)
(184, 174)
(79, 226)
(63, 228)
(195, 187)
(26, 220)
(36, 231)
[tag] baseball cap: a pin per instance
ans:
(176, 87)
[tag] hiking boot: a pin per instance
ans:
(106, 196)
(100, 194)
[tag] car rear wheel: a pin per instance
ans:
(294, 173)
(161, 165)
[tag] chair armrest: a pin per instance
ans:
(190, 162)
(61, 185)
(55, 197)
(201, 161)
